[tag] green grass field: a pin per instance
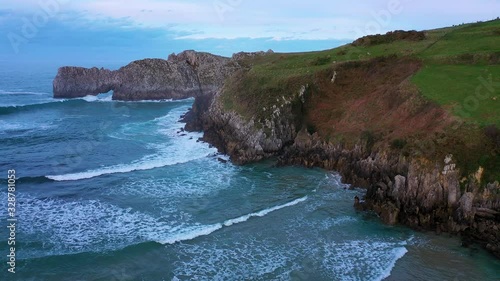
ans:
(472, 92)
(454, 58)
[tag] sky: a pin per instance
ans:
(89, 32)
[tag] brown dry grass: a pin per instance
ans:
(373, 96)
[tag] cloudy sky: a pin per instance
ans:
(123, 30)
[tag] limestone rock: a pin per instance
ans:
(72, 82)
(188, 74)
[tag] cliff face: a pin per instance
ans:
(418, 189)
(244, 141)
(417, 192)
(188, 74)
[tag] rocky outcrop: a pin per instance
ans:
(244, 140)
(188, 74)
(250, 55)
(73, 82)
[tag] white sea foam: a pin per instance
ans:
(144, 164)
(198, 183)
(69, 227)
(189, 234)
(313, 256)
(192, 233)
(92, 98)
(263, 212)
(182, 151)
(374, 258)
(45, 101)
(335, 222)
(109, 98)
(247, 259)
(5, 92)
(397, 253)
(349, 256)
(164, 100)
(24, 126)
(334, 179)
(184, 148)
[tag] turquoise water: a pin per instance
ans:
(117, 191)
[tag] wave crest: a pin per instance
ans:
(198, 231)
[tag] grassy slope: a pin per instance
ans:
(453, 60)
(454, 66)
(455, 86)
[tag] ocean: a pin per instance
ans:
(110, 190)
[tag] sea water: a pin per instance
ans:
(110, 190)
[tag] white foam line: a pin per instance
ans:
(198, 231)
(185, 150)
(398, 253)
(23, 93)
(165, 100)
(92, 98)
(120, 169)
(192, 233)
(32, 104)
(263, 212)
(109, 98)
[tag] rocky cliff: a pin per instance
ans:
(243, 140)
(188, 74)
(418, 192)
(408, 166)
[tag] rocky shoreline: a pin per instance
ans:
(422, 193)
(408, 191)
(425, 193)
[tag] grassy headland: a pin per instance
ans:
(426, 94)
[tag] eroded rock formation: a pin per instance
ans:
(188, 74)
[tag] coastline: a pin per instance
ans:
(367, 117)
(419, 192)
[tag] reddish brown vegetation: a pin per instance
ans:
(374, 96)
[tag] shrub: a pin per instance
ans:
(321, 61)
(369, 137)
(493, 133)
(311, 129)
(466, 58)
(389, 37)
(398, 144)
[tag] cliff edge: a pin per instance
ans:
(383, 116)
